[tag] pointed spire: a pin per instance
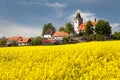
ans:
(78, 14)
(78, 11)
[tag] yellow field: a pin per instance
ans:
(83, 61)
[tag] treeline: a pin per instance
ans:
(100, 31)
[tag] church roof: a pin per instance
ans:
(78, 14)
(83, 25)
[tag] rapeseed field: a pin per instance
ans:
(82, 61)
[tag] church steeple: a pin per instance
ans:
(78, 14)
(78, 20)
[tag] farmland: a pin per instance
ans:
(82, 61)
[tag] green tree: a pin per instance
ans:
(36, 41)
(0, 43)
(99, 37)
(14, 43)
(89, 29)
(61, 29)
(66, 39)
(116, 35)
(47, 27)
(103, 28)
(3, 41)
(69, 28)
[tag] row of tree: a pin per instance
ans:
(68, 28)
(97, 32)
(101, 30)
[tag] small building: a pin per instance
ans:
(13, 38)
(23, 41)
(19, 40)
(59, 35)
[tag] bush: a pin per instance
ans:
(99, 37)
(117, 35)
(66, 39)
(36, 41)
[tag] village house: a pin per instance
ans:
(20, 40)
(13, 38)
(23, 42)
(60, 35)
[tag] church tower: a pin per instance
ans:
(78, 20)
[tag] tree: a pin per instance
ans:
(3, 41)
(89, 29)
(69, 28)
(66, 39)
(116, 35)
(0, 43)
(36, 41)
(14, 43)
(99, 37)
(103, 28)
(61, 29)
(47, 27)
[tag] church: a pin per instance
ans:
(79, 25)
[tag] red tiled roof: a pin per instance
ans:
(83, 25)
(60, 34)
(23, 40)
(14, 38)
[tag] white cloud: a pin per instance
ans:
(88, 16)
(42, 3)
(56, 5)
(12, 29)
(115, 27)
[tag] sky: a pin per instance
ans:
(27, 17)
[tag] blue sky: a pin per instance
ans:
(27, 17)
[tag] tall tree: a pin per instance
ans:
(89, 29)
(69, 28)
(47, 27)
(103, 28)
(61, 29)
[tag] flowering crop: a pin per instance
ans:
(83, 61)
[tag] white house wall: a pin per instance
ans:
(47, 36)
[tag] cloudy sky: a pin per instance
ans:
(27, 17)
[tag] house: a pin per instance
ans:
(13, 38)
(48, 34)
(19, 40)
(59, 35)
(79, 25)
(23, 41)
